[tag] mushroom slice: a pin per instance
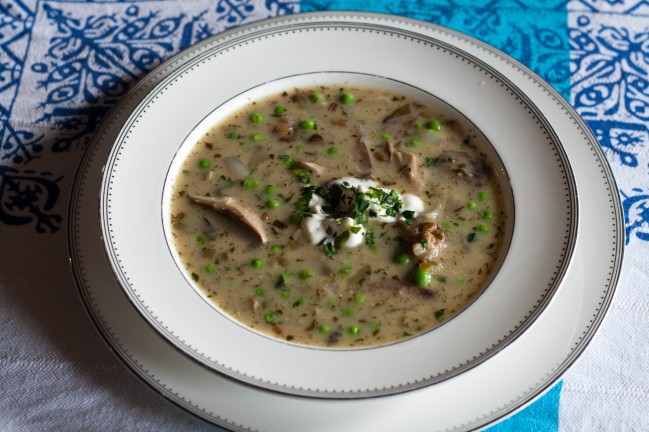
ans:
(231, 207)
(365, 159)
(312, 166)
(410, 169)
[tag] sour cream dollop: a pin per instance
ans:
(321, 228)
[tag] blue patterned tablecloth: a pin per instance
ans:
(64, 63)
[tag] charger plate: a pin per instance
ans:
(485, 393)
(212, 84)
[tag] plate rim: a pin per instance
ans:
(576, 349)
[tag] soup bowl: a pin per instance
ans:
(540, 200)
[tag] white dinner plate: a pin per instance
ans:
(501, 384)
(216, 82)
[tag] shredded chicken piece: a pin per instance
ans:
(230, 207)
(428, 242)
(407, 164)
(312, 166)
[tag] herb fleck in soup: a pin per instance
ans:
(339, 217)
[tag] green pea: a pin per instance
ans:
(332, 150)
(483, 228)
(421, 277)
(347, 98)
(316, 97)
(279, 110)
(324, 329)
(232, 135)
(256, 263)
(353, 330)
(359, 298)
(210, 268)
(417, 125)
(414, 143)
(256, 118)
(435, 125)
(256, 137)
(347, 312)
(304, 274)
(275, 248)
(471, 205)
(272, 204)
(270, 317)
(200, 239)
(260, 292)
(483, 196)
(487, 215)
(385, 136)
(204, 163)
(308, 125)
(249, 183)
(403, 259)
(270, 190)
(345, 271)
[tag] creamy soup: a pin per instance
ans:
(338, 217)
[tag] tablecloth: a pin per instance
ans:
(64, 63)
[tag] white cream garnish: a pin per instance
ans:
(321, 228)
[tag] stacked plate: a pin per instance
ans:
(501, 352)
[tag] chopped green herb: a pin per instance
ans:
(408, 216)
(210, 268)
(304, 274)
(431, 161)
(195, 277)
(275, 248)
(414, 143)
(303, 175)
(329, 249)
(441, 278)
(345, 271)
(385, 136)
(416, 125)
(471, 237)
(181, 193)
(439, 313)
(483, 196)
(359, 298)
(297, 303)
(285, 294)
(347, 312)
(355, 229)
(232, 135)
(369, 239)
(282, 280)
(260, 292)
(302, 205)
(287, 160)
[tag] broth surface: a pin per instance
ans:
(339, 217)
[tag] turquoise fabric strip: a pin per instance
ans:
(534, 32)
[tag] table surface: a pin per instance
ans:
(64, 63)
